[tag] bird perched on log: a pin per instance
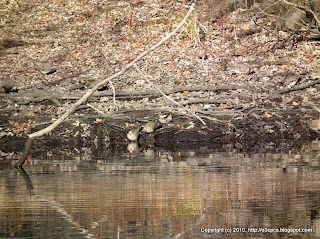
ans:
(133, 135)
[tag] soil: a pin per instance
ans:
(226, 78)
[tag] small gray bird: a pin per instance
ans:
(133, 135)
(46, 68)
(150, 127)
(164, 119)
(202, 53)
(241, 69)
(7, 85)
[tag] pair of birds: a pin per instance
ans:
(149, 128)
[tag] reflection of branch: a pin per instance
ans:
(189, 228)
(98, 86)
(67, 216)
(167, 97)
(303, 8)
(26, 179)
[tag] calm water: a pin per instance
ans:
(157, 194)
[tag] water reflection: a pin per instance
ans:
(149, 193)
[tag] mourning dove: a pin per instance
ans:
(241, 69)
(46, 68)
(150, 127)
(7, 85)
(314, 124)
(133, 135)
(165, 119)
(202, 53)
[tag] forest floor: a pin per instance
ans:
(227, 78)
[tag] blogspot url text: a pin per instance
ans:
(254, 230)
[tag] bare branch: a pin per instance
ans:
(303, 8)
(114, 94)
(91, 106)
(284, 19)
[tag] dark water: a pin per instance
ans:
(157, 194)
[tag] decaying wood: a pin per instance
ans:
(41, 95)
(300, 87)
(95, 88)
(205, 101)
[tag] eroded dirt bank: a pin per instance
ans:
(249, 82)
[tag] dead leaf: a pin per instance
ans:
(246, 27)
(137, 44)
(225, 105)
(186, 92)
(22, 127)
(99, 120)
(76, 55)
(268, 115)
(28, 160)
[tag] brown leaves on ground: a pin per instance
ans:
(21, 127)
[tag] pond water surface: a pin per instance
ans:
(159, 194)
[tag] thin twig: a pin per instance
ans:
(167, 97)
(316, 108)
(114, 94)
(100, 112)
(300, 87)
